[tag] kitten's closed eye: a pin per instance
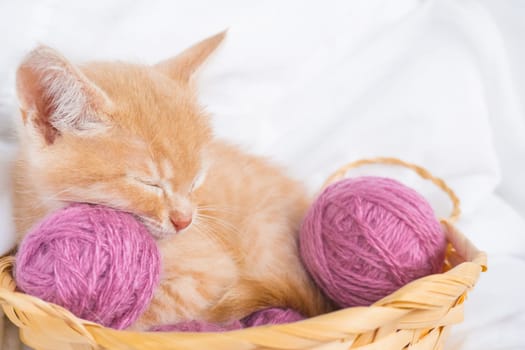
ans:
(152, 184)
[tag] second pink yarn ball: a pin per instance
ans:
(364, 238)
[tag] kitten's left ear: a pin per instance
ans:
(56, 97)
(183, 66)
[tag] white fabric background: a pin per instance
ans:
(317, 84)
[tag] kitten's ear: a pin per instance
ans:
(56, 97)
(184, 65)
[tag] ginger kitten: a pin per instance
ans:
(133, 137)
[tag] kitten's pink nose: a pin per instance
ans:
(180, 222)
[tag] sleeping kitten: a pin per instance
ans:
(134, 138)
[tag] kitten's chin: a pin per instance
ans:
(160, 235)
(158, 232)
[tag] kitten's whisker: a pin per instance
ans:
(217, 206)
(219, 210)
(220, 239)
(228, 208)
(223, 223)
(144, 218)
(151, 222)
(210, 226)
(208, 232)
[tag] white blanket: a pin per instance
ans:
(317, 84)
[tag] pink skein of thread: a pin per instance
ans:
(270, 316)
(197, 326)
(99, 263)
(364, 238)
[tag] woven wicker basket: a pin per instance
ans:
(417, 316)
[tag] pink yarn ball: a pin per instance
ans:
(99, 263)
(364, 238)
(197, 326)
(274, 315)
(271, 316)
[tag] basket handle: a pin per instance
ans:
(425, 174)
